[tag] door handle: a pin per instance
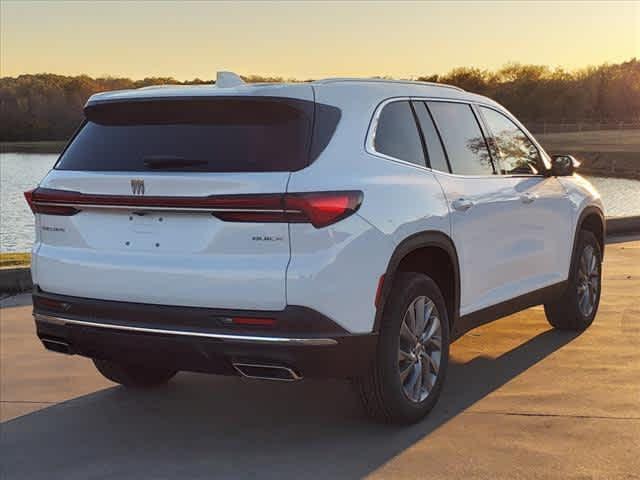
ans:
(528, 197)
(462, 204)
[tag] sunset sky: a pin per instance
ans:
(309, 40)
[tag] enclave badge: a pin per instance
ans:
(137, 186)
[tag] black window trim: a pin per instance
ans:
(423, 142)
(435, 126)
(540, 163)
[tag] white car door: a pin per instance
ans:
(484, 207)
(544, 226)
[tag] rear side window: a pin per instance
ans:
(397, 134)
(435, 153)
(518, 154)
(208, 135)
(462, 137)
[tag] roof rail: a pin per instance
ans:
(384, 80)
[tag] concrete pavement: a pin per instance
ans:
(521, 401)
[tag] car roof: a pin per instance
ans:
(377, 88)
(365, 81)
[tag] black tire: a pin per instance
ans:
(134, 376)
(381, 389)
(566, 313)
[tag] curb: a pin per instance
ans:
(15, 280)
(623, 225)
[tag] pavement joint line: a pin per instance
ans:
(552, 415)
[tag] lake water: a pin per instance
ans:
(23, 171)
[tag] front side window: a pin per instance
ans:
(397, 135)
(518, 154)
(463, 140)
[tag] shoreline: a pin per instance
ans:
(603, 163)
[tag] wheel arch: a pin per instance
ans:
(419, 247)
(592, 219)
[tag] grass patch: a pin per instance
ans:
(592, 141)
(48, 146)
(12, 259)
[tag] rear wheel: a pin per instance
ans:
(135, 376)
(578, 305)
(405, 379)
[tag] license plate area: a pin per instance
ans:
(144, 231)
(145, 222)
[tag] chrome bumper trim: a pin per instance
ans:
(313, 342)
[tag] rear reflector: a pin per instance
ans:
(318, 208)
(262, 322)
(47, 303)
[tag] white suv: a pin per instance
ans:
(339, 228)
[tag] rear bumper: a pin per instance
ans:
(194, 339)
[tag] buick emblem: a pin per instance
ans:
(137, 186)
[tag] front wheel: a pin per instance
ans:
(134, 376)
(404, 382)
(576, 308)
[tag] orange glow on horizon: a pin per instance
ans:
(309, 40)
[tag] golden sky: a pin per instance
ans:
(310, 39)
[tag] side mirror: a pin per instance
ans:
(563, 165)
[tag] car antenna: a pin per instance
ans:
(228, 80)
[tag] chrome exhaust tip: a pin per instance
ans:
(262, 371)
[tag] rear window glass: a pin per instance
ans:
(212, 135)
(397, 134)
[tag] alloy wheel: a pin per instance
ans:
(420, 349)
(588, 280)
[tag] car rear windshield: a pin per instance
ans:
(212, 135)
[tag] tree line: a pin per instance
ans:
(49, 107)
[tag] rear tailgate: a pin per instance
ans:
(141, 175)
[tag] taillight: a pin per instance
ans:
(28, 196)
(321, 208)
(55, 210)
(318, 208)
(40, 202)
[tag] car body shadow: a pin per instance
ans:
(15, 300)
(203, 426)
